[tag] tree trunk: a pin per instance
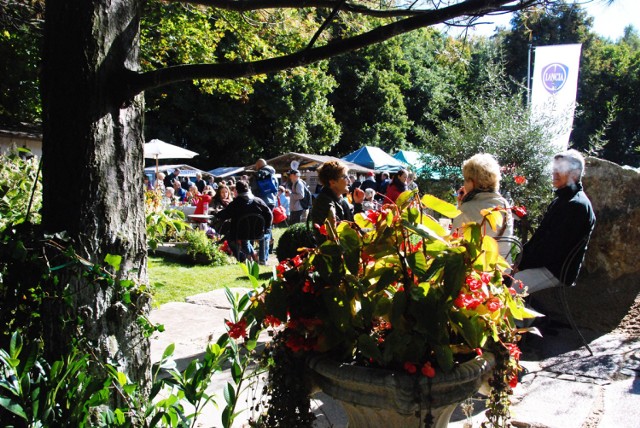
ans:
(93, 168)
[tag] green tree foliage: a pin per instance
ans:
(19, 201)
(246, 118)
(286, 112)
(608, 117)
(561, 23)
(492, 120)
(436, 65)
(370, 106)
(20, 43)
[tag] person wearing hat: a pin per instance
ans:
(297, 187)
(369, 182)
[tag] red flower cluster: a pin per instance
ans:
(410, 367)
(469, 301)
(514, 351)
(477, 294)
(493, 304)
(426, 370)
(272, 321)
(321, 229)
(225, 247)
(298, 343)
(520, 179)
(372, 216)
(238, 329)
(307, 287)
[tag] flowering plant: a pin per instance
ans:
(396, 290)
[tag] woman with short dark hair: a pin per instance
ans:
(335, 181)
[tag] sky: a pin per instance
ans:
(609, 21)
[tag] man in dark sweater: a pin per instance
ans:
(564, 231)
(244, 203)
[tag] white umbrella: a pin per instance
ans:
(156, 149)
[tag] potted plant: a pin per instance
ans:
(395, 295)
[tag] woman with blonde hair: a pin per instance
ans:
(481, 190)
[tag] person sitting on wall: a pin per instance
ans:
(565, 229)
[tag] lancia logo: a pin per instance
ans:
(554, 76)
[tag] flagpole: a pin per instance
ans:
(529, 75)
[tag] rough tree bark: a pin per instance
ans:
(92, 166)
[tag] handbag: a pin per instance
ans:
(279, 214)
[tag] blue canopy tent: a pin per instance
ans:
(374, 158)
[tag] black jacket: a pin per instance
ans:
(243, 205)
(325, 200)
(568, 221)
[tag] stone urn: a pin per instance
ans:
(382, 398)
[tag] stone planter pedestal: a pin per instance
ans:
(377, 398)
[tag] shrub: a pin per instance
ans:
(17, 178)
(296, 236)
(162, 224)
(201, 249)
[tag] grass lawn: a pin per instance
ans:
(173, 281)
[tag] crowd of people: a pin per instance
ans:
(566, 225)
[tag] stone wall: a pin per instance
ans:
(609, 282)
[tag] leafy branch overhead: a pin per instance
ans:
(393, 21)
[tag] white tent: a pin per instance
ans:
(157, 149)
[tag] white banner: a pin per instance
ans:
(553, 94)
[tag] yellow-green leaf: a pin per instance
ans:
(440, 206)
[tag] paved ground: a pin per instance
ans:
(565, 386)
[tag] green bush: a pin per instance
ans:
(17, 178)
(201, 249)
(296, 236)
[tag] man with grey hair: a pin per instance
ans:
(564, 230)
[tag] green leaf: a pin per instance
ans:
(236, 372)
(122, 378)
(369, 348)
(229, 394)
(113, 260)
(418, 264)
(444, 356)
(351, 243)
(470, 328)
(14, 407)
(423, 231)
(454, 274)
(440, 206)
(169, 351)
(405, 198)
(15, 347)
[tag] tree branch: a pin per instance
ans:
(246, 6)
(326, 22)
(138, 82)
